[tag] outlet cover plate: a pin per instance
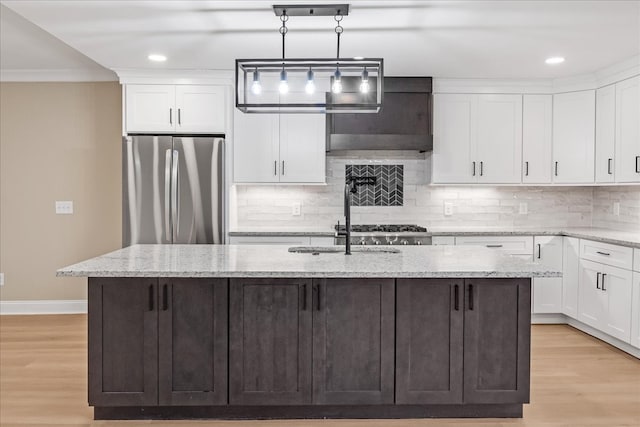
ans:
(448, 208)
(616, 208)
(295, 209)
(523, 208)
(64, 207)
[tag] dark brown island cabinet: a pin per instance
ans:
(308, 348)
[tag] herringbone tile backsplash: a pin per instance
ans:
(388, 188)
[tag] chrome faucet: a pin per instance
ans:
(351, 187)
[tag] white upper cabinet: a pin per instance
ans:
(150, 108)
(574, 137)
(537, 118)
(256, 140)
(477, 138)
(302, 148)
(605, 133)
(272, 148)
(200, 108)
(628, 130)
(175, 108)
(499, 149)
(455, 119)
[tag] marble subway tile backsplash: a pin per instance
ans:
(322, 205)
(629, 199)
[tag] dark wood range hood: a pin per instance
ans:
(405, 121)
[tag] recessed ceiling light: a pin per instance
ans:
(554, 60)
(157, 57)
(358, 58)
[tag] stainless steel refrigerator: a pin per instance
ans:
(173, 190)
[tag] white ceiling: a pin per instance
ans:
(455, 39)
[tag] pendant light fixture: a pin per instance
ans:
(314, 85)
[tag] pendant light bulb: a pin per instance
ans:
(364, 85)
(256, 88)
(337, 82)
(284, 85)
(310, 86)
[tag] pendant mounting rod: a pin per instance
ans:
(311, 9)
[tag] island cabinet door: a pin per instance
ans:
(353, 341)
(270, 342)
(497, 340)
(123, 342)
(192, 342)
(429, 318)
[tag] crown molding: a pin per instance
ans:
(614, 73)
(489, 86)
(175, 77)
(58, 75)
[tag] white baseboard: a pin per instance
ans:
(548, 319)
(627, 348)
(43, 307)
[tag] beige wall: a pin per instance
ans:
(58, 141)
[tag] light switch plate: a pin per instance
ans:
(64, 207)
(616, 208)
(523, 208)
(295, 209)
(448, 208)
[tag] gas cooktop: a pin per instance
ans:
(383, 228)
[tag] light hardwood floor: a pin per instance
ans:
(576, 381)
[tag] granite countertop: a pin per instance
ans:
(276, 261)
(615, 237)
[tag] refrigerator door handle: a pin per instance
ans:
(175, 219)
(167, 193)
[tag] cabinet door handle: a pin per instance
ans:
(470, 297)
(539, 250)
(304, 297)
(283, 168)
(493, 246)
(165, 297)
(556, 169)
(602, 284)
(151, 303)
(456, 297)
(598, 281)
(275, 167)
(609, 166)
(602, 253)
(179, 118)
(637, 164)
(316, 290)
(526, 168)
(474, 168)
(170, 116)
(481, 168)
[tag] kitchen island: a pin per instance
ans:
(213, 331)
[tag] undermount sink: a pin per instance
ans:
(335, 250)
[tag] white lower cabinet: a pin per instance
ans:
(635, 310)
(605, 299)
(570, 276)
(547, 291)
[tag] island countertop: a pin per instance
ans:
(265, 261)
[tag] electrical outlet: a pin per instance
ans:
(1, 279)
(448, 208)
(64, 207)
(295, 209)
(523, 208)
(616, 208)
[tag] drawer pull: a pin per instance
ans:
(494, 246)
(602, 253)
